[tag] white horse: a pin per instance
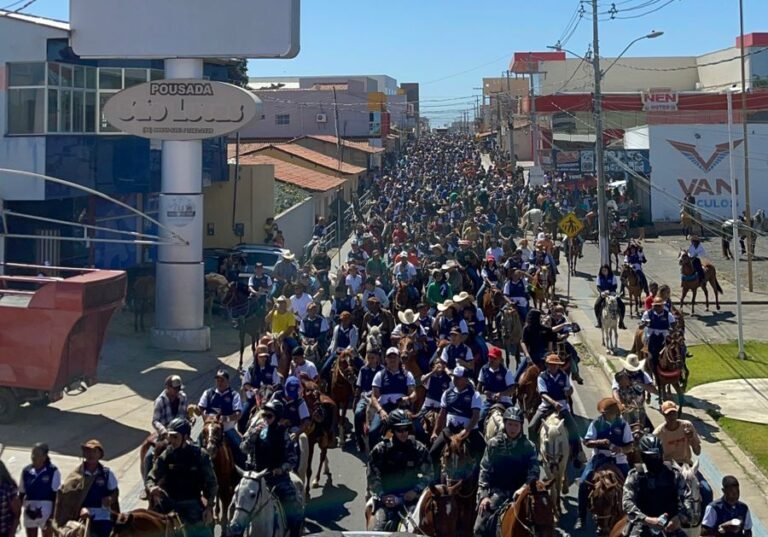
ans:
(254, 509)
(610, 323)
(494, 422)
(692, 483)
(555, 452)
(531, 220)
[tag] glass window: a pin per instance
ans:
(79, 76)
(53, 110)
(26, 110)
(65, 106)
(90, 111)
(66, 75)
(53, 74)
(110, 79)
(282, 119)
(133, 77)
(78, 111)
(26, 74)
(156, 74)
(104, 125)
(90, 77)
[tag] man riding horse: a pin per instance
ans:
(696, 252)
(635, 258)
(658, 323)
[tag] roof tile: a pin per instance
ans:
(295, 175)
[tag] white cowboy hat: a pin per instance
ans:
(461, 297)
(407, 317)
(445, 305)
(289, 256)
(632, 363)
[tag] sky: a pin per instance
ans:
(448, 46)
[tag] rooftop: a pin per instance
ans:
(314, 157)
(296, 175)
(35, 19)
(361, 146)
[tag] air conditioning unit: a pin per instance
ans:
(321, 118)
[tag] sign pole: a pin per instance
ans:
(180, 271)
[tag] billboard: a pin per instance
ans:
(185, 28)
(694, 160)
(583, 162)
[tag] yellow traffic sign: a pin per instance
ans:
(571, 225)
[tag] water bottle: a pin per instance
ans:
(663, 521)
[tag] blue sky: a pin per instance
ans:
(449, 45)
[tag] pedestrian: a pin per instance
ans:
(728, 515)
(10, 503)
(39, 483)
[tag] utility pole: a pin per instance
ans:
(602, 211)
(744, 116)
(534, 122)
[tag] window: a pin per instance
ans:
(26, 111)
(283, 119)
(26, 74)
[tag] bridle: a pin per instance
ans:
(256, 509)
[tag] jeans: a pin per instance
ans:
(361, 409)
(593, 464)
(149, 460)
(285, 491)
(101, 528)
(191, 514)
(233, 438)
(245, 416)
(377, 427)
(476, 279)
(706, 492)
(387, 519)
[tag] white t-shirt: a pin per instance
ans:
(452, 420)
(44, 506)
(626, 438)
(299, 304)
(354, 282)
(392, 397)
(308, 368)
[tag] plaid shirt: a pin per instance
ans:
(8, 491)
(164, 414)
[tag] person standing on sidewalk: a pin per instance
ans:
(39, 483)
(721, 515)
(10, 504)
(680, 441)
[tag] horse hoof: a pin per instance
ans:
(316, 485)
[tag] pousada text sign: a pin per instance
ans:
(183, 109)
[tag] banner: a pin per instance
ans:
(694, 160)
(583, 162)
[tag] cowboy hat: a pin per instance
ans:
(445, 305)
(658, 301)
(632, 363)
(436, 247)
(451, 264)
(407, 317)
(461, 297)
(554, 359)
(289, 256)
(93, 444)
(464, 242)
(606, 403)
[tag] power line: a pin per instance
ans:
(15, 11)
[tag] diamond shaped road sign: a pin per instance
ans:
(571, 225)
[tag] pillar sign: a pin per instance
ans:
(182, 110)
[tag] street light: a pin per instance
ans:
(735, 218)
(602, 209)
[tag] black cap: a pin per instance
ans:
(730, 481)
(298, 351)
(222, 373)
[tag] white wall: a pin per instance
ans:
(636, 138)
(21, 42)
(296, 224)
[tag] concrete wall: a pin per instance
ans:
(721, 76)
(21, 42)
(296, 224)
(255, 203)
(303, 107)
(348, 155)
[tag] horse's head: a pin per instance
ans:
(605, 499)
(251, 494)
(536, 506)
(626, 270)
(407, 347)
(442, 509)
(684, 259)
(692, 484)
(457, 461)
(213, 435)
(345, 366)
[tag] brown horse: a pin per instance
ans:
(671, 369)
(247, 315)
(146, 523)
(539, 287)
(437, 512)
(511, 331)
(458, 467)
(634, 285)
(605, 496)
(531, 515)
(690, 280)
(492, 302)
(223, 465)
(527, 392)
(216, 287)
(618, 528)
(409, 357)
(403, 299)
(143, 300)
(321, 432)
(573, 253)
(343, 380)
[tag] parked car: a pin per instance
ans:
(213, 257)
(259, 253)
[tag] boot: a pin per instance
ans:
(580, 522)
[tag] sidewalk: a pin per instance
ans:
(720, 455)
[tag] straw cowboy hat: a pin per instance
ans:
(407, 317)
(554, 359)
(445, 305)
(658, 301)
(93, 444)
(289, 256)
(461, 297)
(632, 363)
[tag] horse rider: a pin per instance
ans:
(270, 448)
(563, 328)
(457, 353)
(345, 336)
(468, 260)
(459, 414)
(475, 320)
(357, 257)
(315, 327)
(635, 258)
(101, 492)
(696, 252)
(680, 442)
(224, 403)
(259, 285)
(363, 390)
(182, 476)
(342, 302)
(169, 405)
(301, 367)
(321, 267)
(381, 317)
(491, 274)
(656, 498)
(555, 387)
(509, 463)
(631, 383)
(495, 382)
(261, 373)
(377, 269)
(516, 291)
(285, 272)
(657, 322)
(720, 515)
(399, 469)
(295, 410)
(428, 323)
(39, 483)
(438, 290)
(437, 381)
(608, 283)
(610, 439)
(391, 387)
(283, 324)
(410, 326)
(372, 289)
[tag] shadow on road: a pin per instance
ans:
(329, 508)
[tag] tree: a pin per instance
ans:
(237, 72)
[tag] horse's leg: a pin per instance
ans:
(693, 298)
(714, 284)
(706, 295)
(316, 480)
(324, 455)
(241, 335)
(309, 468)
(683, 294)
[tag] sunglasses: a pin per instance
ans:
(269, 416)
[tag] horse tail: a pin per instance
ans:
(717, 286)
